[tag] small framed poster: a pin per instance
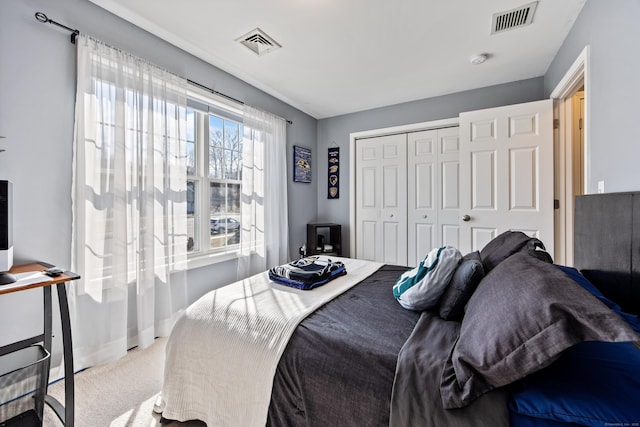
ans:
(301, 164)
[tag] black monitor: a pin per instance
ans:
(6, 233)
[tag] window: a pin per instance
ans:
(214, 180)
(236, 184)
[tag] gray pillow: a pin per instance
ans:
(522, 316)
(502, 247)
(464, 281)
(535, 247)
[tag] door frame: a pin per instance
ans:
(372, 133)
(578, 75)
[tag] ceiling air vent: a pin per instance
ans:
(514, 18)
(259, 42)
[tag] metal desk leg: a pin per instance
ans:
(66, 412)
(68, 355)
(48, 328)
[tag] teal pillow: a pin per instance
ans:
(420, 289)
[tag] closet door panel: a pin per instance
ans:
(434, 198)
(480, 236)
(392, 238)
(390, 186)
(369, 187)
(394, 196)
(424, 239)
(450, 182)
(368, 204)
(451, 235)
(369, 237)
(422, 176)
(449, 202)
(381, 199)
(424, 186)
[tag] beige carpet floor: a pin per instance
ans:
(118, 394)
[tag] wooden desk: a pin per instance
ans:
(66, 412)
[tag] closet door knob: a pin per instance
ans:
(466, 218)
(391, 216)
(424, 216)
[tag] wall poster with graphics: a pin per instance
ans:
(333, 185)
(301, 164)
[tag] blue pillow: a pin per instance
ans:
(577, 277)
(519, 420)
(593, 383)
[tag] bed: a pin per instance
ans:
(514, 340)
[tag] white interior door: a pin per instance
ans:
(506, 171)
(381, 199)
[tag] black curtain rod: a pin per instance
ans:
(215, 92)
(41, 17)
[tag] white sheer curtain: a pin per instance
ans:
(264, 242)
(129, 203)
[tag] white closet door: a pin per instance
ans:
(506, 170)
(449, 182)
(381, 199)
(433, 175)
(422, 215)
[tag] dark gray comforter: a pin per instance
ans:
(340, 364)
(416, 397)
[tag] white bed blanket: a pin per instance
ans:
(223, 352)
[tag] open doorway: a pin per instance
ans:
(571, 152)
(577, 142)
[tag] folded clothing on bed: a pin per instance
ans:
(307, 273)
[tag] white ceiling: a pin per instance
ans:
(340, 56)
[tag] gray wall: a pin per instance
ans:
(37, 95)
(37, 89)
(335, 131)
(611, 29)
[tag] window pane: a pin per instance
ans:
(231, 135)
(191, 125)
(228, 163)
(218, 214)
(216, 164)
(191, 158)
(233, 199)
(218, 199)
(225, 214)
(216, 132)
(192, 217)
(216, 154)
(233, 163)
(191, 142)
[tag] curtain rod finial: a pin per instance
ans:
(41, 17)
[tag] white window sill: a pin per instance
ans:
(209, 258)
